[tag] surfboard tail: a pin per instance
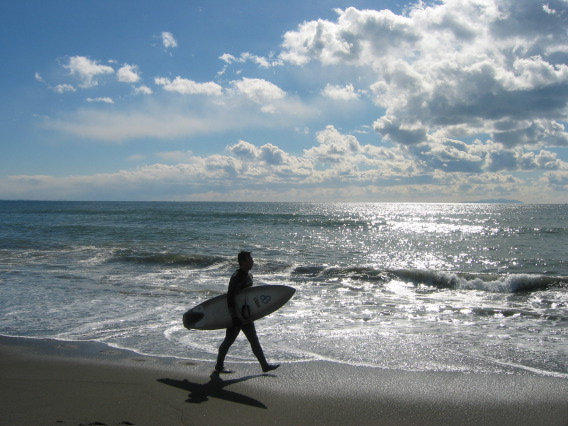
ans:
(191, 318)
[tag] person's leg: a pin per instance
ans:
(230, 337)
(250, 332)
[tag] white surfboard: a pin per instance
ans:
(252, 303)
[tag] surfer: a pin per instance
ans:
(241, 279)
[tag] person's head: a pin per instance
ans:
(245, 260)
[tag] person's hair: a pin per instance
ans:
(243, 255)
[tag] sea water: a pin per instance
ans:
(419, 287)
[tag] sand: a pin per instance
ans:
(81, 383)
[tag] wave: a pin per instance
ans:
(355, 273)
(496, 283)
(511, 283)
(508, 283)
(166, 259)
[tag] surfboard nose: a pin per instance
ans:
(291, 291)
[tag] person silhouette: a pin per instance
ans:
(242, 278)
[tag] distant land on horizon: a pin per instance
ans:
(496, 201)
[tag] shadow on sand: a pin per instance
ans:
(199, 393)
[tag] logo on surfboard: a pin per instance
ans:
(264, 299)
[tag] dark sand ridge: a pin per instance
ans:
(72, 383)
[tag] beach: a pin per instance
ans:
(403, 314)
(50, 382)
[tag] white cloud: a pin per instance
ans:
(209, 114)
(142, 90)
(105, 100)
(548, 9)
(87, 70)
(261, 61)
(334, 147)
(258, 90)
(271, 154)
(268, 153)
(168, 40)
(467, 93)
(116, 126)
(189, 87)
(128, 74)
(358, 38)
(558, 180)
(467, 65)
(405, 132)
(341, 93)
(454, 156)
(62, 88)
(540, 132)
(340, 156)
(244, 150)
(340, 167)
(228, 58)
(270, 164)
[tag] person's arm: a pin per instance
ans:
(235, 285)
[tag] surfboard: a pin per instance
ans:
(252, 303)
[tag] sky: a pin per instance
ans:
(255, 100)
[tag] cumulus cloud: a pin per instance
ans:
(189, 87)
(258, 90)
(341, 93)
(168, 40)
(467, 66)
(406, 132)
(87, 70)
(128, 74)
(538, 133)
(268, 153)
(480, 157)
(62, 88)
(262, 92)
(339, 165)
(341, 156)
(143, 90)
(558, 180)
(334, 147)
(244, 150)
(269, 163)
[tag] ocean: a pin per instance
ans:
(472, 288)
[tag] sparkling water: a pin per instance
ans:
(421, 287)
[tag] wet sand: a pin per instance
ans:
(79, 383)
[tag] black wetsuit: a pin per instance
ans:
(239, 280)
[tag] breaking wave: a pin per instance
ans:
(508, 283)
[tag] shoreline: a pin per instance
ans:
(50, 382)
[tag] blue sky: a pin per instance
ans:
(381, 101)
